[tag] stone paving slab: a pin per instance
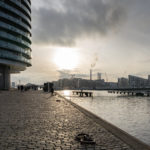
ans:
(35, 121)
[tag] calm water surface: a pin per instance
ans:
(131, 114)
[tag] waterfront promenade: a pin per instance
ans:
(35, 121)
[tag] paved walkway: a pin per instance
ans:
(36, 121)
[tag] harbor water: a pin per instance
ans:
(129, 113)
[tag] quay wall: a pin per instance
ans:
(124, 136)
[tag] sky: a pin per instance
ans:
(69, 37)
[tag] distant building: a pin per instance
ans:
(99, 75)
(56, 85)
(86, 84)
(13, 84)
(78, 83)
(111, 85)
(149, 77)
(123, 82)
(137, 82)
(91, 71)
(99, 84)
(148, 80)
(65, 83)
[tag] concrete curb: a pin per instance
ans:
(124, 136)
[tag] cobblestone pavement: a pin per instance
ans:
(35, 121)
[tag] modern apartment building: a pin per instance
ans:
(15, 38)
(137, 82)
(123, 82)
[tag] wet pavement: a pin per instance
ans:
(36, 121)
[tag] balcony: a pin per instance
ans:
(15, 30)
(11, 56)
(14, 39)
(27, 2)
(19, 4)
(14, 10)
(15, 48)
(16, 21)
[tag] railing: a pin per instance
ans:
(16, 30)
(11, 56)
(21, 6)
(15, 11)
(17, 21)
(15, 48)
(26, 1)
(14, 38)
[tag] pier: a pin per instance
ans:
(83, 93)
(131, 91)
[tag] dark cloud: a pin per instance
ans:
(64, 74)
(68, 74)
(76, 18)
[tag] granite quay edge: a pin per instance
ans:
(121, 134)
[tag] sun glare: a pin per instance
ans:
(66, 58)
(67, 93)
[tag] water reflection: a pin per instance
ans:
(67, 93)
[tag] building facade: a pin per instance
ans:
(123, 83)
(15, 38)
(137, 82)
(99, 76)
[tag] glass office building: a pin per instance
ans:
(15, 38)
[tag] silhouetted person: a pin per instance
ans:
(52, 90)
(22, 88)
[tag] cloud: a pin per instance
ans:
(64, 74)
(142, 74)
(64, 21)
(68, 74)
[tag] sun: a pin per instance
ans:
(66, 58)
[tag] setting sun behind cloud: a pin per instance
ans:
(66, 58)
